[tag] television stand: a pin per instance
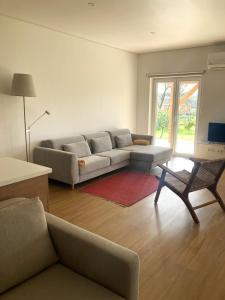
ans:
(210, 150)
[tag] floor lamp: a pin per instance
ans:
(29, 130)
(22, 85)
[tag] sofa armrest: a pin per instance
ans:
(142, 137)
(64, 164)
(100, 260)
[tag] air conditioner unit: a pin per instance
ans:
(216, 60)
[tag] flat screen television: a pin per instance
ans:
(216, 132)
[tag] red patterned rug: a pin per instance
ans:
(125, 188)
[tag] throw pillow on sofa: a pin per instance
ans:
(101, 144)
(124, 140)
(142, 142)
(81, 149)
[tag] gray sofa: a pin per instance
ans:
(59, 154)
(44, 258)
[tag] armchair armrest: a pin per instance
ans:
(204, 160)
(64, 164)
(141, 137)
(197, 160)
(105, 262)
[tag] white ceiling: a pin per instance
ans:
(127, 24)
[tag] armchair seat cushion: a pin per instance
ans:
(197, 184)
(59, 282)
(93, 163)
(116, 155)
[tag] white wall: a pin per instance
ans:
(85, 86)
(212, 105)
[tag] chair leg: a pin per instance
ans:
(158, 193)
(191, 210)
(219, 199)
(161, 184)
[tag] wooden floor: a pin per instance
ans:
(179, 260)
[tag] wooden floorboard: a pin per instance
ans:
(179, 259)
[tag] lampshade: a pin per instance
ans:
(22, 85)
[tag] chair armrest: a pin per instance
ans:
(64, 164)
(100, 260)
(141, 137)
(204, 160)
(198, 160)
(174, 174)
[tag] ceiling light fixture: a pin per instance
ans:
(91, 4)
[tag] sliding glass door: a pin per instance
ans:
(164, 109)
(175, 106)
(186, 114)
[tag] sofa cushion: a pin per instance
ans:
(25, 247)
(152, 154)
(101, 144)
(137, 148)
(116, 132)
(93, 163)
(89, 136)
(116, 155)
(123, 140)
(59, 142)
(80, 148)
(58, 282)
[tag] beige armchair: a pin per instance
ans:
(44, 257)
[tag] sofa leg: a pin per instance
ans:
(73, 186)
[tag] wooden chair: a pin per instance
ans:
(205, 174)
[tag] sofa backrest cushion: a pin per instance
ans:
(89, 136)
(81, 149)
(123, 140)
(116, 132)
(101, 144)
(59, 142)
(25, 247)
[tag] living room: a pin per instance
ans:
(95, 69)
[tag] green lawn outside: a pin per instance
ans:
(186, 126)
(183, 133)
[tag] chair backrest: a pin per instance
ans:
(210, 171)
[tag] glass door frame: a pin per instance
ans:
(176, 81)
(154, 106)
